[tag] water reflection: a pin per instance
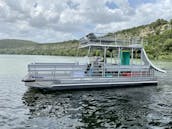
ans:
(110, 108)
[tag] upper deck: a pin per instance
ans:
(110, 42)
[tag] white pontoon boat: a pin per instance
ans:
(127, 65)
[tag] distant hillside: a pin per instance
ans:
(14, 43)
(154, 28)
(157, 42)
(13, 46)
(157, 38)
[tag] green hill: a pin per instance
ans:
(14, 43)
(157, 37)
(157, 42)
(14, 46)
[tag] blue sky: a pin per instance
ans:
(56, 20)
(133, 3)
(111, 5)
(136, 3)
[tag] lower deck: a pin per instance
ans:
(68, 76)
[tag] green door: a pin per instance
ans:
(125, 58)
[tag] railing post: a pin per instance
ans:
(119, 50)
(132, 62)
(35, 70)
(89, 51)
(104, 70)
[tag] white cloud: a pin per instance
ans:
(144, 14)
(56, 20)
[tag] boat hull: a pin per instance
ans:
(89, 85)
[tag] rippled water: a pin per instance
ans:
(136, 108)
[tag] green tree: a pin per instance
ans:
(168, 45)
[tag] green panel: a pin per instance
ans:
(125, 57)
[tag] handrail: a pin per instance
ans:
(111, 41)
(57, 70)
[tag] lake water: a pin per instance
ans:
(136, 108)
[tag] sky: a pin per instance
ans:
(60, 20)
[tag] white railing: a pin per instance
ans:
(53, 71)
(111, 41)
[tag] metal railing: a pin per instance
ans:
(112, 41)
(54, 71)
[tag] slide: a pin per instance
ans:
(148, 62)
